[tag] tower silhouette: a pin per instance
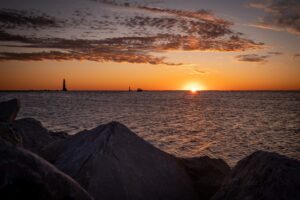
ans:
(64, 88)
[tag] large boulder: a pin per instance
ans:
(7, 134)
(59, 135)
(24, 175)
(262, 175)
(111, 162)
(34, 135)
(9, 110)
(27, 132)
(206, 173)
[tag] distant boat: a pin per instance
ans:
(64, 88)
(139, 90)
(129, 89)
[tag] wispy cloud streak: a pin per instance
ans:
(280, 15)
(256, 58)
(296, 55)
(252, 58)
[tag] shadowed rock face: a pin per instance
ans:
(27, 132)
(26, 176)
(111, 162)
(9, 110)
(7, 134)
(34, 135)
(262, 175)
(58, 135)
(206, 173)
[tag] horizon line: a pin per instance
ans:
(179, 90)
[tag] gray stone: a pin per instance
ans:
(34, 136)
(9, 110)
(111, 162)
(7, 134)
(262, 176)
(24, 175)
(59, 135)
(27, 132)
(206, 173)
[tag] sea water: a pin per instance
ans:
(227, 125)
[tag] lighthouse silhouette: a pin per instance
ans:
(64, 88)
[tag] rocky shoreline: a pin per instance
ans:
(111, 162)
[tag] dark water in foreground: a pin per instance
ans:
(227, 125)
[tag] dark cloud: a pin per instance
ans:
(258, 58)
(169, 42)
(108, 50)
(252, 58)
(4, 36)
(10, 18)
(275, 53)
(91, 56)
(134, 46)
(297, 55)
(149, 30)
(113, 2)
(198, 71)
(156, 22)
(281, 14)
(203, 15)
(202, 28)
(144, 5)
(128, 3)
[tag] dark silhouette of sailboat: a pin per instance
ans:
(64, 88)
(129, 89)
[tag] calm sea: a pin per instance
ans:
(228, 125)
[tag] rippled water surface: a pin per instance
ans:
(227, 125)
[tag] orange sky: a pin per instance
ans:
(88, 75)
(265, 57)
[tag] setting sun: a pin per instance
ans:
(193, 90)
(193, 87)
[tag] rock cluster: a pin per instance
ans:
(34, 135)
(262, 175)
(111, 162)
(25, 175)
(207, 174)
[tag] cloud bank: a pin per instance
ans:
(280, 15)
(142, 34)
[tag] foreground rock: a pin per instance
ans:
(9, 110)
(7, 134)
(34, 135)
(111, 162)
(27, 176)
(207, 174)
(262, 175)
(27, 132)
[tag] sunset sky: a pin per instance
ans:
(151, 44)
